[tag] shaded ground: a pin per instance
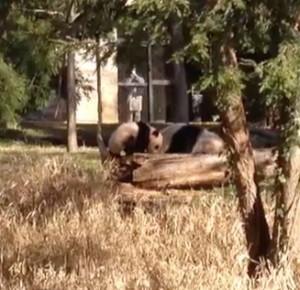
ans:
(55, 133)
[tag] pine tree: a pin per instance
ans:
(221, 33)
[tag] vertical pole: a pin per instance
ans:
(150, 83)
(72, 144)
(101, 146)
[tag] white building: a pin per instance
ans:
(87, 108)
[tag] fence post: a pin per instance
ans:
(150, 83)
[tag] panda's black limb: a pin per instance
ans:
(142, 139)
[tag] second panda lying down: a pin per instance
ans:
(187, 138)
(137, 137)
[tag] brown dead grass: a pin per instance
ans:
(60, 228)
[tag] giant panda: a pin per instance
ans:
(188, 138)
(134, 137)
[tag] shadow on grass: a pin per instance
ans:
(30, 137)
(63, 255)
(36, 189)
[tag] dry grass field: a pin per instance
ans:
(61, 228)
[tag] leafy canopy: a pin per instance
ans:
(12, 88)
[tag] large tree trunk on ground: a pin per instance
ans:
(71, 98)
(181, 171)
(180, 111)
(101, 145)
(287, 217)
(237, 138)
(185, 171)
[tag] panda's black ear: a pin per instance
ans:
(155, 133)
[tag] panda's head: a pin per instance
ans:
(155, 141)
(148, 138)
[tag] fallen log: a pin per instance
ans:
(185, 171)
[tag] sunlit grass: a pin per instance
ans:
(60, 228)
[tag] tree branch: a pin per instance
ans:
(42, 11)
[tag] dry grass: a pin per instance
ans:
(60, 228)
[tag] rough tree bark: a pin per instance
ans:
(186, 170)
(101, 145)
(180, 112)
(71, 104)
(71, 98)
(237, 137)
(287, 216)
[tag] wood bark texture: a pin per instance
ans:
(183, 171)
(71, 97)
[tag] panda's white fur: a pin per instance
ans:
(187, 138)
(132, 137)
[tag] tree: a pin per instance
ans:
(42, 33)
(221, 32)
(225, 77)
(71, 95)
(216, 34)
(12, 87)
(101, 33)
(180, 112)
(102, 148)
(281, 84)
(26, 49)
(68, 31)
(26, 44)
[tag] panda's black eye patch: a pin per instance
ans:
(155, 133)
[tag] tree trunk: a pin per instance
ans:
(180, 111)
(71, 104)
(71, 101)
(287, 217)
(237, 137)
(101, 145)
(61, 91)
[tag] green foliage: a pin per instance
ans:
(281, 75)
(99, 19)
(13, 92)
(144, 22)
(212, 26)
(229, 85)
(32, 54)
(36, 35)
(250, 28)
(281, 86)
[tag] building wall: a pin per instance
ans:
(87, 109)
